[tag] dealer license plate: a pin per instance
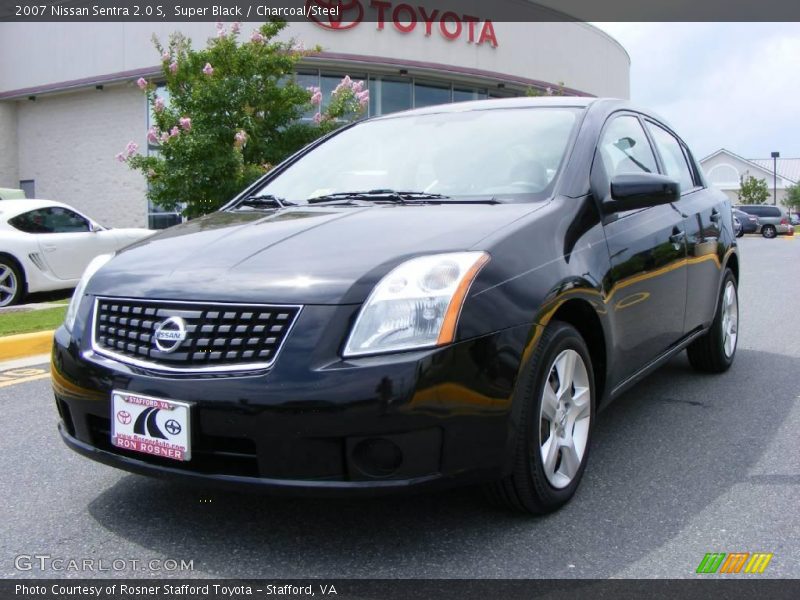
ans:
(151, 425)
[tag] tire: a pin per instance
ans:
(714, 352)
(12, 283)
(740, 233)
(769, 231)
(533, 487)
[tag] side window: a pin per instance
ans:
(624, 148)
(63, 220)
(50, 220)
(693, 166)
(672, 154)
(33, 221)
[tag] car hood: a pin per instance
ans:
(132, 232)
(129, 235)
(308, 255)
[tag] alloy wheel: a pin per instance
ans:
(730, 319)
(564, 418)
(8, 285)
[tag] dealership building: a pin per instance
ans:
(727, 170)
(69, 102)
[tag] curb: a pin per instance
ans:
(26, 344)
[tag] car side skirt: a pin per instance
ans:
(655, 364)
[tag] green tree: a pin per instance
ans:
(793, 197)
(231, 111)
(753, 191)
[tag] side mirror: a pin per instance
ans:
(632, 191)
(94, 227)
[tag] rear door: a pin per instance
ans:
(646, 286)
(704, 211)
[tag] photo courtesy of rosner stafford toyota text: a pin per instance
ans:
(399, 299)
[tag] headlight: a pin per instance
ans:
(77, 295)
(416, 305)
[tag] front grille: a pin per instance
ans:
(218, 337)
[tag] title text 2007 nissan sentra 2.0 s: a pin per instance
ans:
(443, 295)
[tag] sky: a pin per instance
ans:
(719, 85)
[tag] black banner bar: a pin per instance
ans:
(346, 11)
(702, 588)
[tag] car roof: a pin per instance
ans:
(499, 103)
(602, 107)
(11, 208)
(744, 207)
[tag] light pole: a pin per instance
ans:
(775, 157)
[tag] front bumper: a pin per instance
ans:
(315, 422)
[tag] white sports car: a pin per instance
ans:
(46, 245)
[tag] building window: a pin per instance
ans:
(390, 95)
(466, 94)
(430, 94)
(29, 187)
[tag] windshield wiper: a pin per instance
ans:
(379, 196)
(265, 200)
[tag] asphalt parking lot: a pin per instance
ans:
(682, 465)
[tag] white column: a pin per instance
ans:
(9, 151)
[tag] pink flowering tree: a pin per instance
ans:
(229, 112)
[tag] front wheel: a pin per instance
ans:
(769, 231)
(557, 396)
(715, 350)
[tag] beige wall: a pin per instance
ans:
(8, 145)
(67, 144)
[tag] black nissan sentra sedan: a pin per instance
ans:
(446, 295)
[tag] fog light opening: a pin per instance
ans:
(377, 457)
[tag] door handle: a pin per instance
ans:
(715, 216)
(677, 236)
(49, 248)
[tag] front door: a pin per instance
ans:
(646, 285)
(70, 242)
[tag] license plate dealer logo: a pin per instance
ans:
(151, 425)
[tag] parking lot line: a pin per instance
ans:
(16, 376)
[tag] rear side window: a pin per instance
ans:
(50, 220)
(624, 148)
(751, 210)
(761, 211)
(672, 154)
(31, 222)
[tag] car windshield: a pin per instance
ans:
(499, 154)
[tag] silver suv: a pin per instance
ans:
(772, 219)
